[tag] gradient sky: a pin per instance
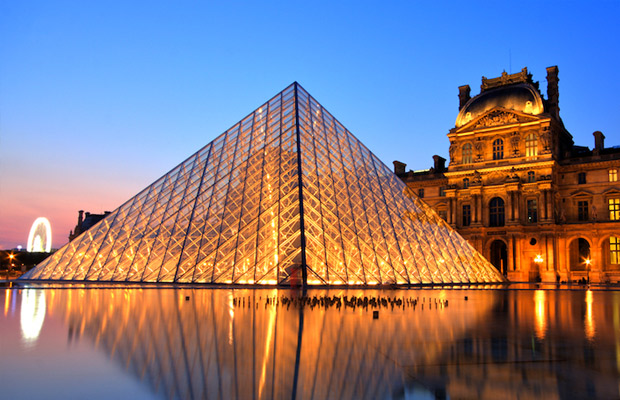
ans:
(99, 99)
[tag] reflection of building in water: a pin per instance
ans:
(205, 346)
(517, 187)
(286, 195)
(541, 344)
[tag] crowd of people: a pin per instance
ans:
(337, 302)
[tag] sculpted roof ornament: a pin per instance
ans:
(495, 118)
(505, 79)
(516, 92)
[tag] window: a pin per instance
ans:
(614, 250)
(531, 177)
(532, 211)
(421, 193)
(613, 175)
(496, 212)
(614, 209)
(466, 215)
(467, 153)
(442, 191)
(498, 149)
(531, 146)
(581, 178)
(443, 214)
(465, 183)
(582, 210)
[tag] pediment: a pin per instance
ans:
(581, 193)
(612, 191)
(496, 117)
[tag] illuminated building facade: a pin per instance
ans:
(519, 190)
(286, 196)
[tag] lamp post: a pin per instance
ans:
(588, 262)
(10, 266)
(539, 260)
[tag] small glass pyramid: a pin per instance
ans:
(286, 196)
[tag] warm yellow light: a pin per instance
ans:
(589, 326)
(538, 259)
(540, 312)
(588, 261)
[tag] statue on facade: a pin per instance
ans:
(514, 141)
(478, 147)
(452, 152)
(477, 179)
(545, 139)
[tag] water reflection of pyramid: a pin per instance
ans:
(198, 344)
(286, 194)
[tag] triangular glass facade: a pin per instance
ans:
(288, 195)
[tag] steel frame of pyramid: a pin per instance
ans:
(286, 196)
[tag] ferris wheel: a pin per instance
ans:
(40, 237)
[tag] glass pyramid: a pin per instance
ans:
(286, 196)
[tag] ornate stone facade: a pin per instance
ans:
(518, 188)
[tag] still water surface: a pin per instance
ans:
(135, 343)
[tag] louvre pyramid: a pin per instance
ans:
(287, 195)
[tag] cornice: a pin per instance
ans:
(590, 164)
(503, 168)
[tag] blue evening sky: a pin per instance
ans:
(98, 99)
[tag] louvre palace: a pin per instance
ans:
(520, 191)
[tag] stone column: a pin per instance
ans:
(451, 216)
(550, 205)
(511, 252)
(547, 274)
(596, 266)
(515, 205)
(510, 213)
(561, 259)
(475, 210)
(480, 216)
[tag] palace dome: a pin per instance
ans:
(521, 97)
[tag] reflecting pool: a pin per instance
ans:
(129, 342)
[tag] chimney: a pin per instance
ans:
(399, 167)
(464, 95)
(80, 217)
(553, 93)
(599, 141)
(439, 163)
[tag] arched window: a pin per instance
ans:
(531, 146)
(531, 177)
(496, 212)
(498, 149)
(467, 153)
